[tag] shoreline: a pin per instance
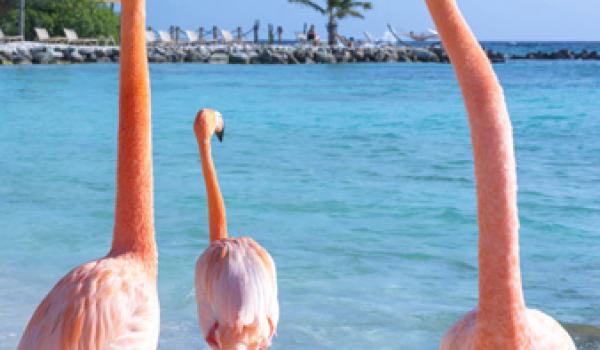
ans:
(248, 53)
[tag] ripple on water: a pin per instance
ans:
(356, 180)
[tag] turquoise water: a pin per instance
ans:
(357, 179)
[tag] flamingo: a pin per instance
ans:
(112, 302)
(501, 320)
(236, 281)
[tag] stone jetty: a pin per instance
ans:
(243, 53)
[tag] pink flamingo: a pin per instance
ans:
(501, 321)
(236, 282)
(112, 303)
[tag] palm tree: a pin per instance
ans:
(337, 9)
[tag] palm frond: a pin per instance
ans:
(367, 5)
(310, 4)
(342, 13)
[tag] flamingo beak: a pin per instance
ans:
(220, 126)
(220, 134)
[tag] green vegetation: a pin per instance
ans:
(337, 9)
(88, 18)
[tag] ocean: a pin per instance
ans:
(358, 179)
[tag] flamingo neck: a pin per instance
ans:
(217, 221)
(134, 216)
(500, 291)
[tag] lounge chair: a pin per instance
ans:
(108, 40)
(165, 37)
(151, 38)
(8, 39)
(343, 41)
(301, 37)
(193, 37)
(395, 35)
(369, 42)
(226, 36)
(43, 36)
(73, 38)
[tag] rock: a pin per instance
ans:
(218, 58)
(254, 56)
(43, 55)
(564, 55)
(377, 56)
(239, 58)
(20, 56)
(100, 53)
(343, 56)
(270, 56)
(424, 55)
(440, 53)
(495, 57)
(292, 59)
(72, 55)
(177, 55)
(26, 54)
(114, 54)
(5, 58)
(390, 56)
(279, 57)
(359, 55)
(323, 56)
(156, 55)
(265, 56)
(88, 54)
(370, 54)
(193, 56)
(300, 54)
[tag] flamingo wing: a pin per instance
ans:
(109, 303)
(236, 292)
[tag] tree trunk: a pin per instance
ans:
(332, 30)
(22, 19)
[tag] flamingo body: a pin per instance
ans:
(501, 320)
(236, 292)
(535, 331)
(236, 282)
(109, 303)
(112, 303)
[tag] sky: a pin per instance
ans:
(506, 20)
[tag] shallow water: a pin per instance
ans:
(356, 178)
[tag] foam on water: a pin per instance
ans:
(357, 179)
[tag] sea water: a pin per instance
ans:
(358, 179)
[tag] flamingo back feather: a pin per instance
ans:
(236, 291)
(109, 303)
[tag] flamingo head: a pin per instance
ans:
(236, 292)
(207, 123)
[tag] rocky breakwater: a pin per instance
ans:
(29, 53)
(558, 55)
(36, 53)
(291, 54)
